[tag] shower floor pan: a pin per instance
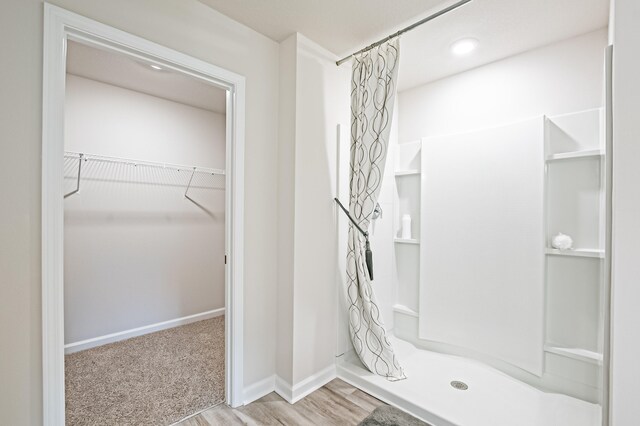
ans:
(447, 390)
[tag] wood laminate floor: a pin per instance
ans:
(336, 403)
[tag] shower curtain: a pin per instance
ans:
(373, 88)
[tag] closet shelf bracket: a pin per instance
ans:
(186, 194)
(186, 191)
(75, 191)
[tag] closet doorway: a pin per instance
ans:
(142, 228)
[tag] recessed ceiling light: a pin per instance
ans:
(464, 46)
(156, 67)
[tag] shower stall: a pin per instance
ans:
(494, 319)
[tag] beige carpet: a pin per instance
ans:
(155, 379)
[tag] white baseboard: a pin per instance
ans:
(259, 389)
(283, 389)
(139, 331)
(312, 383)
(295, 393)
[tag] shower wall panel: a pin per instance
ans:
(482, 239)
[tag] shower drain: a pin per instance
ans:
(459, 385)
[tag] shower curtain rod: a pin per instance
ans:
(404, 30)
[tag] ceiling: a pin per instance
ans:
(123, 71)
(503, 27)
(337, 25)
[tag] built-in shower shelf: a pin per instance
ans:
(402, 309)
(406, 241)
(576, 353)
(576, 154)
(576, 253)
(407, 173)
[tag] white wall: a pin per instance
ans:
(286, 207)
(314, 100)
(108, 120)
(187, 26)
(322, 102)
(560, 78)
(137, 252)
(20, 128)
(625, 332)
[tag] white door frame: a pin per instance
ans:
(59, 26)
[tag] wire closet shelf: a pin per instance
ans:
(79, 167)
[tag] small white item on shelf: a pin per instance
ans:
(562, 241)
(406, 227)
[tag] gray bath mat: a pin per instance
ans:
(387, 415)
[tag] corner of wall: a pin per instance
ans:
(285, 206)
(294, 393)
(259, 389)
(308, 115)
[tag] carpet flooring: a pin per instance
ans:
(155, 379)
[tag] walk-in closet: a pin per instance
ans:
(144, 240)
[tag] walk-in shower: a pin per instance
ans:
(495, 299)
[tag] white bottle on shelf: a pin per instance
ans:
(406, 227)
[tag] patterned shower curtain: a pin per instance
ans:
(373, 89)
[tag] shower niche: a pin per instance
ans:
(575, 206)
(407, 250)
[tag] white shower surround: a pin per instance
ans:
(493, 398)
(559, 78)
(482, 240)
